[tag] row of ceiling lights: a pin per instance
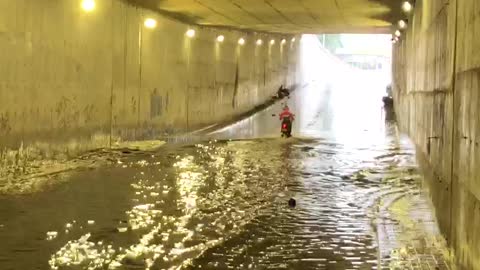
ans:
(407, 7)
(152, 23)
(89, 6)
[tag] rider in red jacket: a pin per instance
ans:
(287, 118)
(287, 114)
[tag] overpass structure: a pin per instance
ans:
(79, 74)
(365, 59)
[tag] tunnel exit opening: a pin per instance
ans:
(363, 51)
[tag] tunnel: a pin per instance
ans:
(145, 134)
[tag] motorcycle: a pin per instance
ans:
(387, 102)
(286, 128)
(283, 92)
(388, 99)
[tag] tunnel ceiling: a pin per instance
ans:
(285, 16)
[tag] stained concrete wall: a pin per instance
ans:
(72, 81)
(436, 85)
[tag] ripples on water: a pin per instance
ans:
(224, 205)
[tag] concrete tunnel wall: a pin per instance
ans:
(436, 74)
(71, 81)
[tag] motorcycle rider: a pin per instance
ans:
(287, 117)
(282, 92)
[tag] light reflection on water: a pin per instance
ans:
(223, 205)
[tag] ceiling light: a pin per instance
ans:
(272, 41)
(398, 33)
(241, 41)
(407, 7)
(259, 42)
(293, 39)
(88, 5)
(150, 23)
(402, 24)
(190, 33)
(220, 38)
(284, 41)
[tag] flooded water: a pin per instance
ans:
(223, 203)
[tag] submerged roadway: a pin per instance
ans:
(222, 203)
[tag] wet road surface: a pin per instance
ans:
(222, 203)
